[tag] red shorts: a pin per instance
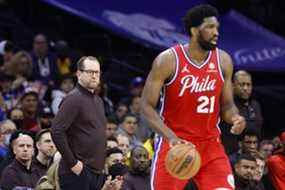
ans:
(215, 172)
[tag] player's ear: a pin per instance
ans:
(194, 31)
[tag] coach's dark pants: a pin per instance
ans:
(87, 180)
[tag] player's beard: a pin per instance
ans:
(205, 45)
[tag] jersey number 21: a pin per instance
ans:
(206, 104)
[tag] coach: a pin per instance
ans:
(78, 131)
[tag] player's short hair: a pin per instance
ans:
(195, 16)
(80, 62)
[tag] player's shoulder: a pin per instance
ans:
(165, 62)
(225, 59)
(165, 57)
(163, 66)
(224, 56)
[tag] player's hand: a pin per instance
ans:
(115, 184)
(175, 141)
(239, 124)
(77, 169)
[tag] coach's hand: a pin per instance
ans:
(77, 169)
(175, 141)
(239, 124)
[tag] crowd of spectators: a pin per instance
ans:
(34, 83)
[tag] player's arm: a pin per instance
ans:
(162, 69)
(228, 108)
(229, 111)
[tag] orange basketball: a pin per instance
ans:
(183, 161)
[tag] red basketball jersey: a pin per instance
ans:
(191, 100)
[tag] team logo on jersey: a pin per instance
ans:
(185, 69)
(197, 84)
(212, 68)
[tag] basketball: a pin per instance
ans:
(183, 161)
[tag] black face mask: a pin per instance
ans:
(117, 169)
(18, 123)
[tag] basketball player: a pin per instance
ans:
(196, 82)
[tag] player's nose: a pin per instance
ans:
(216, 32)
